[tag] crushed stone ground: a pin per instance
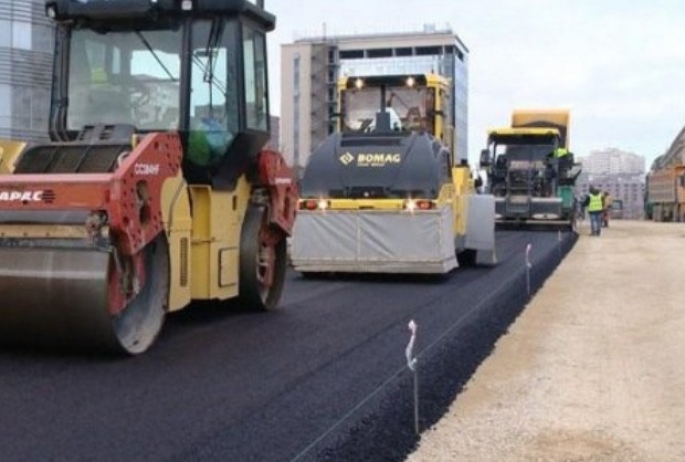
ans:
(592, 370)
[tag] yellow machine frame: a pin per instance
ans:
(9, 150)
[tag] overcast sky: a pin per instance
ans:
(619, 66)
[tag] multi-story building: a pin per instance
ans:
(26, 47)
(613, 161)
(311, 67)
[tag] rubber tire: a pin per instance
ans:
(250, 295)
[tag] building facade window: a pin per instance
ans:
(5, 33)
(422, 51)
(351, 54)
(21, 35)
(379, 53)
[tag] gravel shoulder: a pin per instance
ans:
(592, 370)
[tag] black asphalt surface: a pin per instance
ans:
(323, 378)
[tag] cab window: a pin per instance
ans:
(254, 56)
(124, 78)
(214, 121)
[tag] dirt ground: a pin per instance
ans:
(592, 370)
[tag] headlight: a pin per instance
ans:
(412, 205)
(314, 204)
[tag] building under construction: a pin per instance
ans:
(311, 66)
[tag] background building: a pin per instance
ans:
(26, 47)
(311, 66)
(613, 161)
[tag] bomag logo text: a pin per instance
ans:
(377, 159)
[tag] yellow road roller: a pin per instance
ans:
(155, 189)
(385, 193)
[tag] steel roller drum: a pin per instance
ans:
(58, 298)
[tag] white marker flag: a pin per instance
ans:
(411, 362)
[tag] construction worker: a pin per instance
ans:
(564, 163)
(607, 203)
(595, 207)
(560, 152)
(208, 141)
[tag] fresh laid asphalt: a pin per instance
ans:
(322, 378)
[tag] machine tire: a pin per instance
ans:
(252, 294)
(315, 275)
(139, 325)
(467, 257)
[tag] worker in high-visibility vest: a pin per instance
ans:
(595, 207)
(560, 152)
(564, 162)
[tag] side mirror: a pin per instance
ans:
(485, 158)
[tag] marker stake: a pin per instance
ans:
(529, 265)
(411, 364)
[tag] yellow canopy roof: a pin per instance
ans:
(508, 131)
